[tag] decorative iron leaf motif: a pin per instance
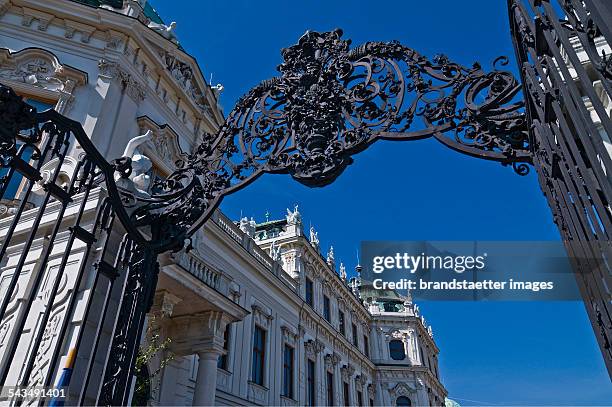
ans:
(331, 102)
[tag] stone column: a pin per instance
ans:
(201, 334)
(347, 372)
(206, 380)
(338, 384)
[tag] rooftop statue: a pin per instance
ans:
(330, 258)
(314, 237)
(167, 31)
(294, 217)
(275, 251)
(342, 271)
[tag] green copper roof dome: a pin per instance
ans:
(367, 290)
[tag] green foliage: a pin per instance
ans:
(144, 378)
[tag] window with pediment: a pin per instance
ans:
(41, 78)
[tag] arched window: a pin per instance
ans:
(403, 401)
(396, 350)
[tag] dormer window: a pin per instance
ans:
(390, 306)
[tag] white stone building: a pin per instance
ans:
(254, 314)
(368, 345)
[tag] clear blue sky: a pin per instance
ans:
(491, 353)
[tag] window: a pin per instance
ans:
(309, 292)
(310, 382)
(390, 306)
(12, 189)
(40, 105)
(366, 346)
(345, 392)
(330, 389)
(326, 309)
(403, 401)
(341, 322)
(288, 371)
(359, 398)
(396, 350)
(222, 361)
(355, 338)
(259, 354)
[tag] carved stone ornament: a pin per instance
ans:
(163, 146)
(37, 72)
(401, 389)
(347, 371)
(289, 336)
(261, 316)
(331, 360)
(183, 75)
(163, 303)
(313, 347)
(133, 88)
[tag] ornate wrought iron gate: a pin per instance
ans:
(568, 83)
(329, 103)
(50, 241)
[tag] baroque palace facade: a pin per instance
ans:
(253, 313)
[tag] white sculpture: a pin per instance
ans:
(294, 218)
(342, 271)
(244, 223)
(141, 165)
(275, 251)
(167, 31)
(330, 258)
(314, 237)
(217, 89)
(248, 226)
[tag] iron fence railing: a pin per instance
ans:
(563, 50)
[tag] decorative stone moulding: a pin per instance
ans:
(64, 176)
(163, 147)
(39, 73)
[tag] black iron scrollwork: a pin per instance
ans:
(332, 102)
(329, 103)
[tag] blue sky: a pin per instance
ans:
(491, 353)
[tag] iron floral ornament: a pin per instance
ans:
(331, 102)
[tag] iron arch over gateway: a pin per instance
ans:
(332, 102)
(329, 103)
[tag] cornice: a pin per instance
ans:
(82, 23)
(340, 289)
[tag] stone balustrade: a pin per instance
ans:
(207, 274)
